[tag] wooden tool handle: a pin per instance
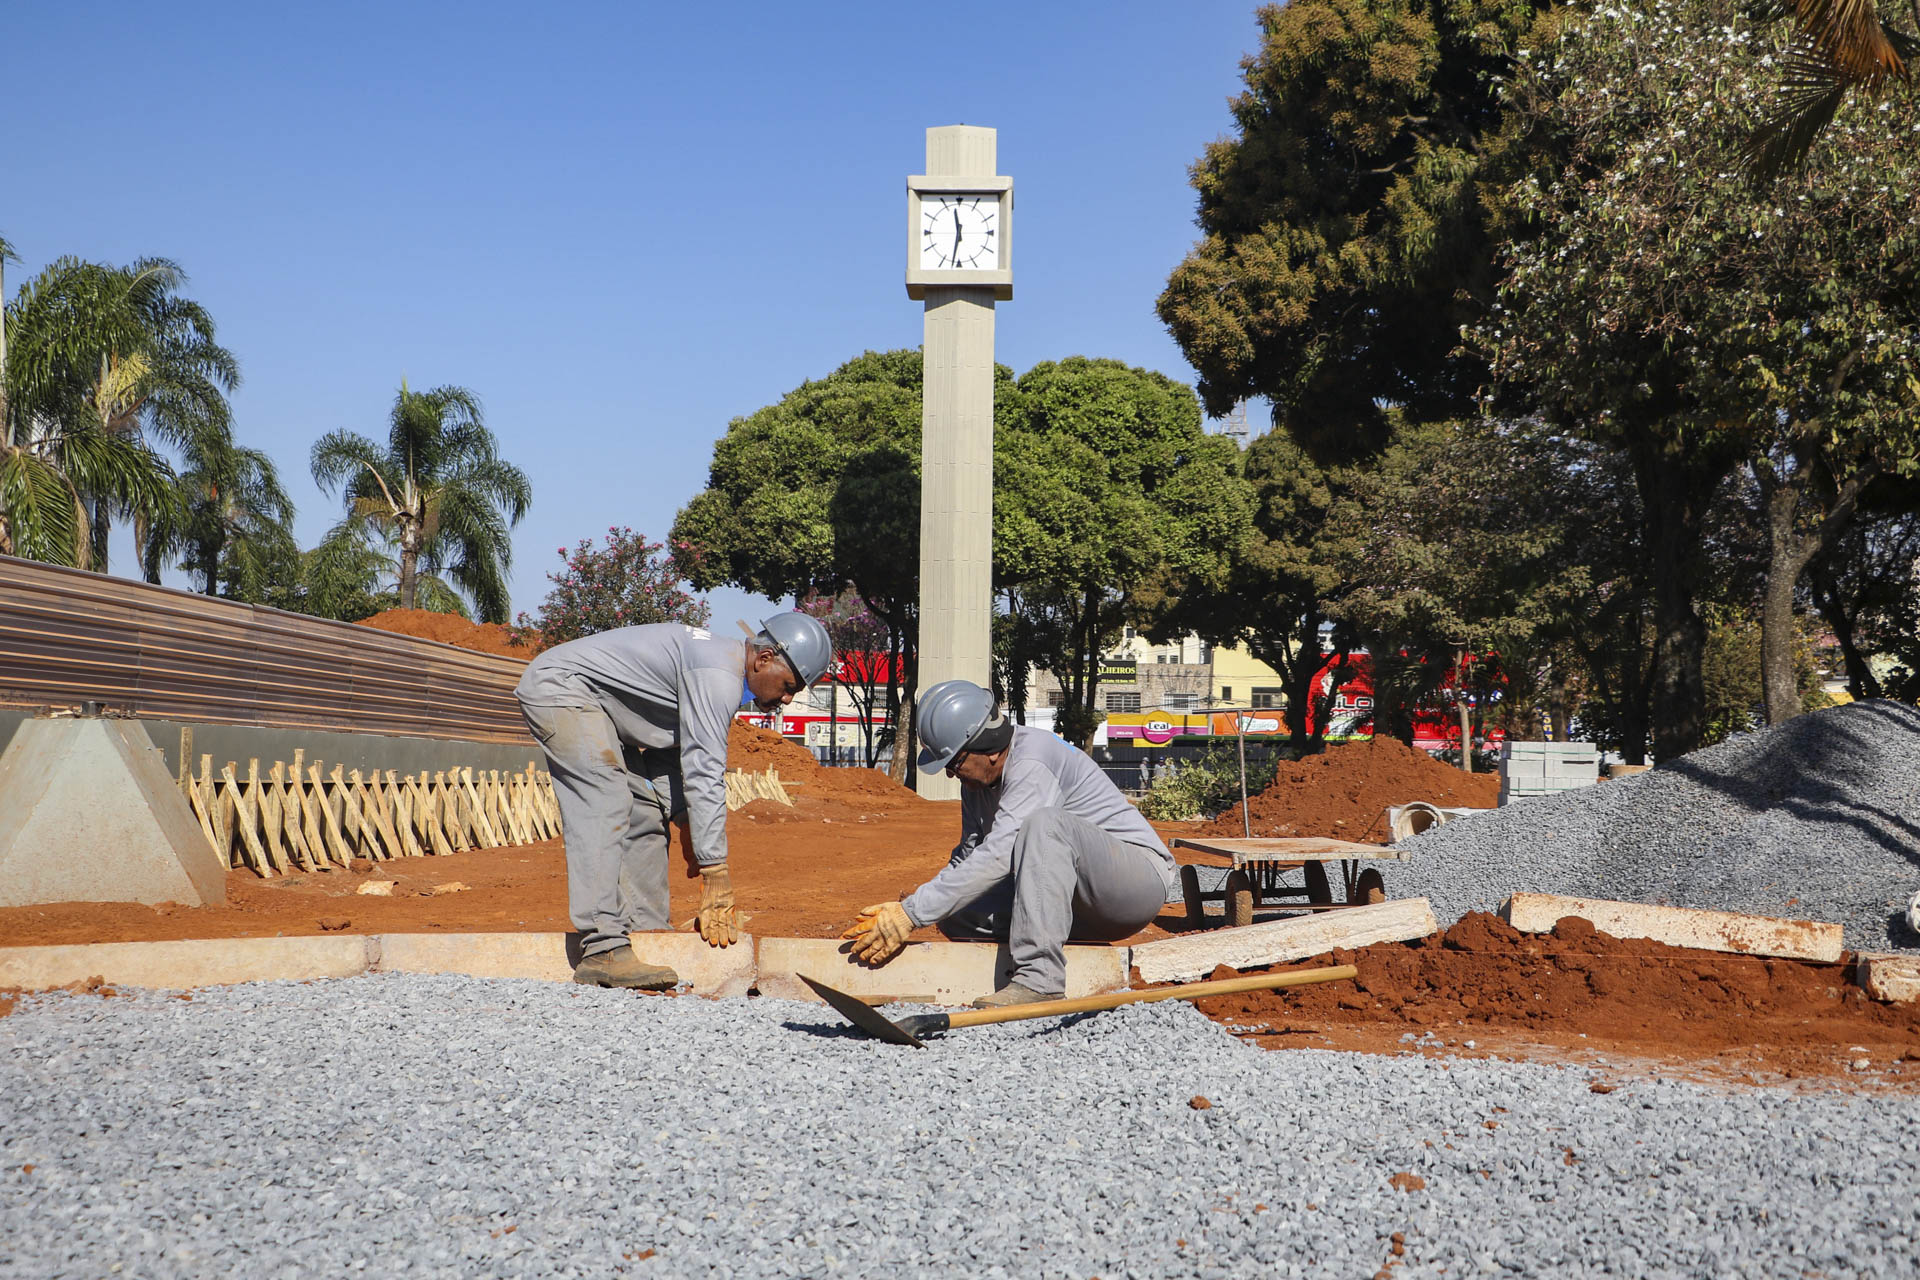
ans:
(1186, 991)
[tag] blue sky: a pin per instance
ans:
(565, 207)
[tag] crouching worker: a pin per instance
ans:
(1049, 848)
(634, 723)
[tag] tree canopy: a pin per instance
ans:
(438, 490)
(1346, 222)
(1775, 334)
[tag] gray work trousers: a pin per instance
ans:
(616, 807)
(1071, 880)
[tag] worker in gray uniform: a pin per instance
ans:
(634, 722)
(1049, 848)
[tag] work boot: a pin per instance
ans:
(1012, 993)
(621, 968)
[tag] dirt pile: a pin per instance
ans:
(756, 750)
(1483, 976)
(1344, 792)
(447, 628)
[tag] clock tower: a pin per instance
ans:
(959, 262)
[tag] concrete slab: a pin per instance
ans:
(1893, 978)
(89, 813)
(548, 957)
(1681, 926)
(930, 972)
(183, 965)
(1196, 955)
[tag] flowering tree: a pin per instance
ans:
(1704, 330)
(869, 664)
(623, 584)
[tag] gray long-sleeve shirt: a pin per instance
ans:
(1042, 772)
(662, 685)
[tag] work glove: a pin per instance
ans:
(716, 921)
(879, 932)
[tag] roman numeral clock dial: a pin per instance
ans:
(959, 232)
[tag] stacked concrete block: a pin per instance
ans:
(1546, 768)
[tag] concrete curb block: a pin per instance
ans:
(925, 972)
(1681, 926)
(944, 972)
(548, 957)
(1893, 978)
(1190, 956)
(183, 965)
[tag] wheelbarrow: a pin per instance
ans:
(1280, 874)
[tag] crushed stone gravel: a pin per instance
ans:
(430, 1125)
(1818, 818)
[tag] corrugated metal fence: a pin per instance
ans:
(68, 637)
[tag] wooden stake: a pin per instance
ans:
(483, 833)
(227, 819)
(200, 796)
(403, 816)
(336, 839)
(245, 819)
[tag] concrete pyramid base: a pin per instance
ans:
(89, 813)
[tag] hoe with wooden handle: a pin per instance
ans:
(909, 1030)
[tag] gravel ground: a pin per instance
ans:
(1816, 819)
(400, 1124)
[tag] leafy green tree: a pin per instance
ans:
(1775, 335)
(626, 583)
(230, 521)
(438, 490)
(1105, 485)
(1347, 222)
(820, 493)
(1291, 568)
(104, 364)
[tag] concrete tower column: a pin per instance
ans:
(956, 442)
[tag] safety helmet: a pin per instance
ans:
(802, 641)
(949, 715)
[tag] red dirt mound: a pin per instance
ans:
(447, 628)
(1343, 792)
(756, 750)
(1483, 977)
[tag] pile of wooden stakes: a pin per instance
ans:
(303, 817)
(744, 788)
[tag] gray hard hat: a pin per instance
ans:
(948, 716)
(802, 641)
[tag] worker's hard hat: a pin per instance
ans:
(802, 641)
(948, 717)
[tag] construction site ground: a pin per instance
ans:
(1637, 1009)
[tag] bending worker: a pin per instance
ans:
(1049, 848)
(634, 723)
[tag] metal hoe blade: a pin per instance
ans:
(863, 1015)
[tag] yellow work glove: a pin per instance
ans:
(879, 932)
(716, 922)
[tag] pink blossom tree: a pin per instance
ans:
(626, 583)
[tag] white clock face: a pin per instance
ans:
(959, 232)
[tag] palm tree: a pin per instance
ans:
(438, 490)
(1844, 47)
(59, 460)
(230, 522)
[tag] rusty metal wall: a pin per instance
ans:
(68, 637)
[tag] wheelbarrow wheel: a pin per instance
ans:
(1370, 887)
(1319, 891)
(1239, 899)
